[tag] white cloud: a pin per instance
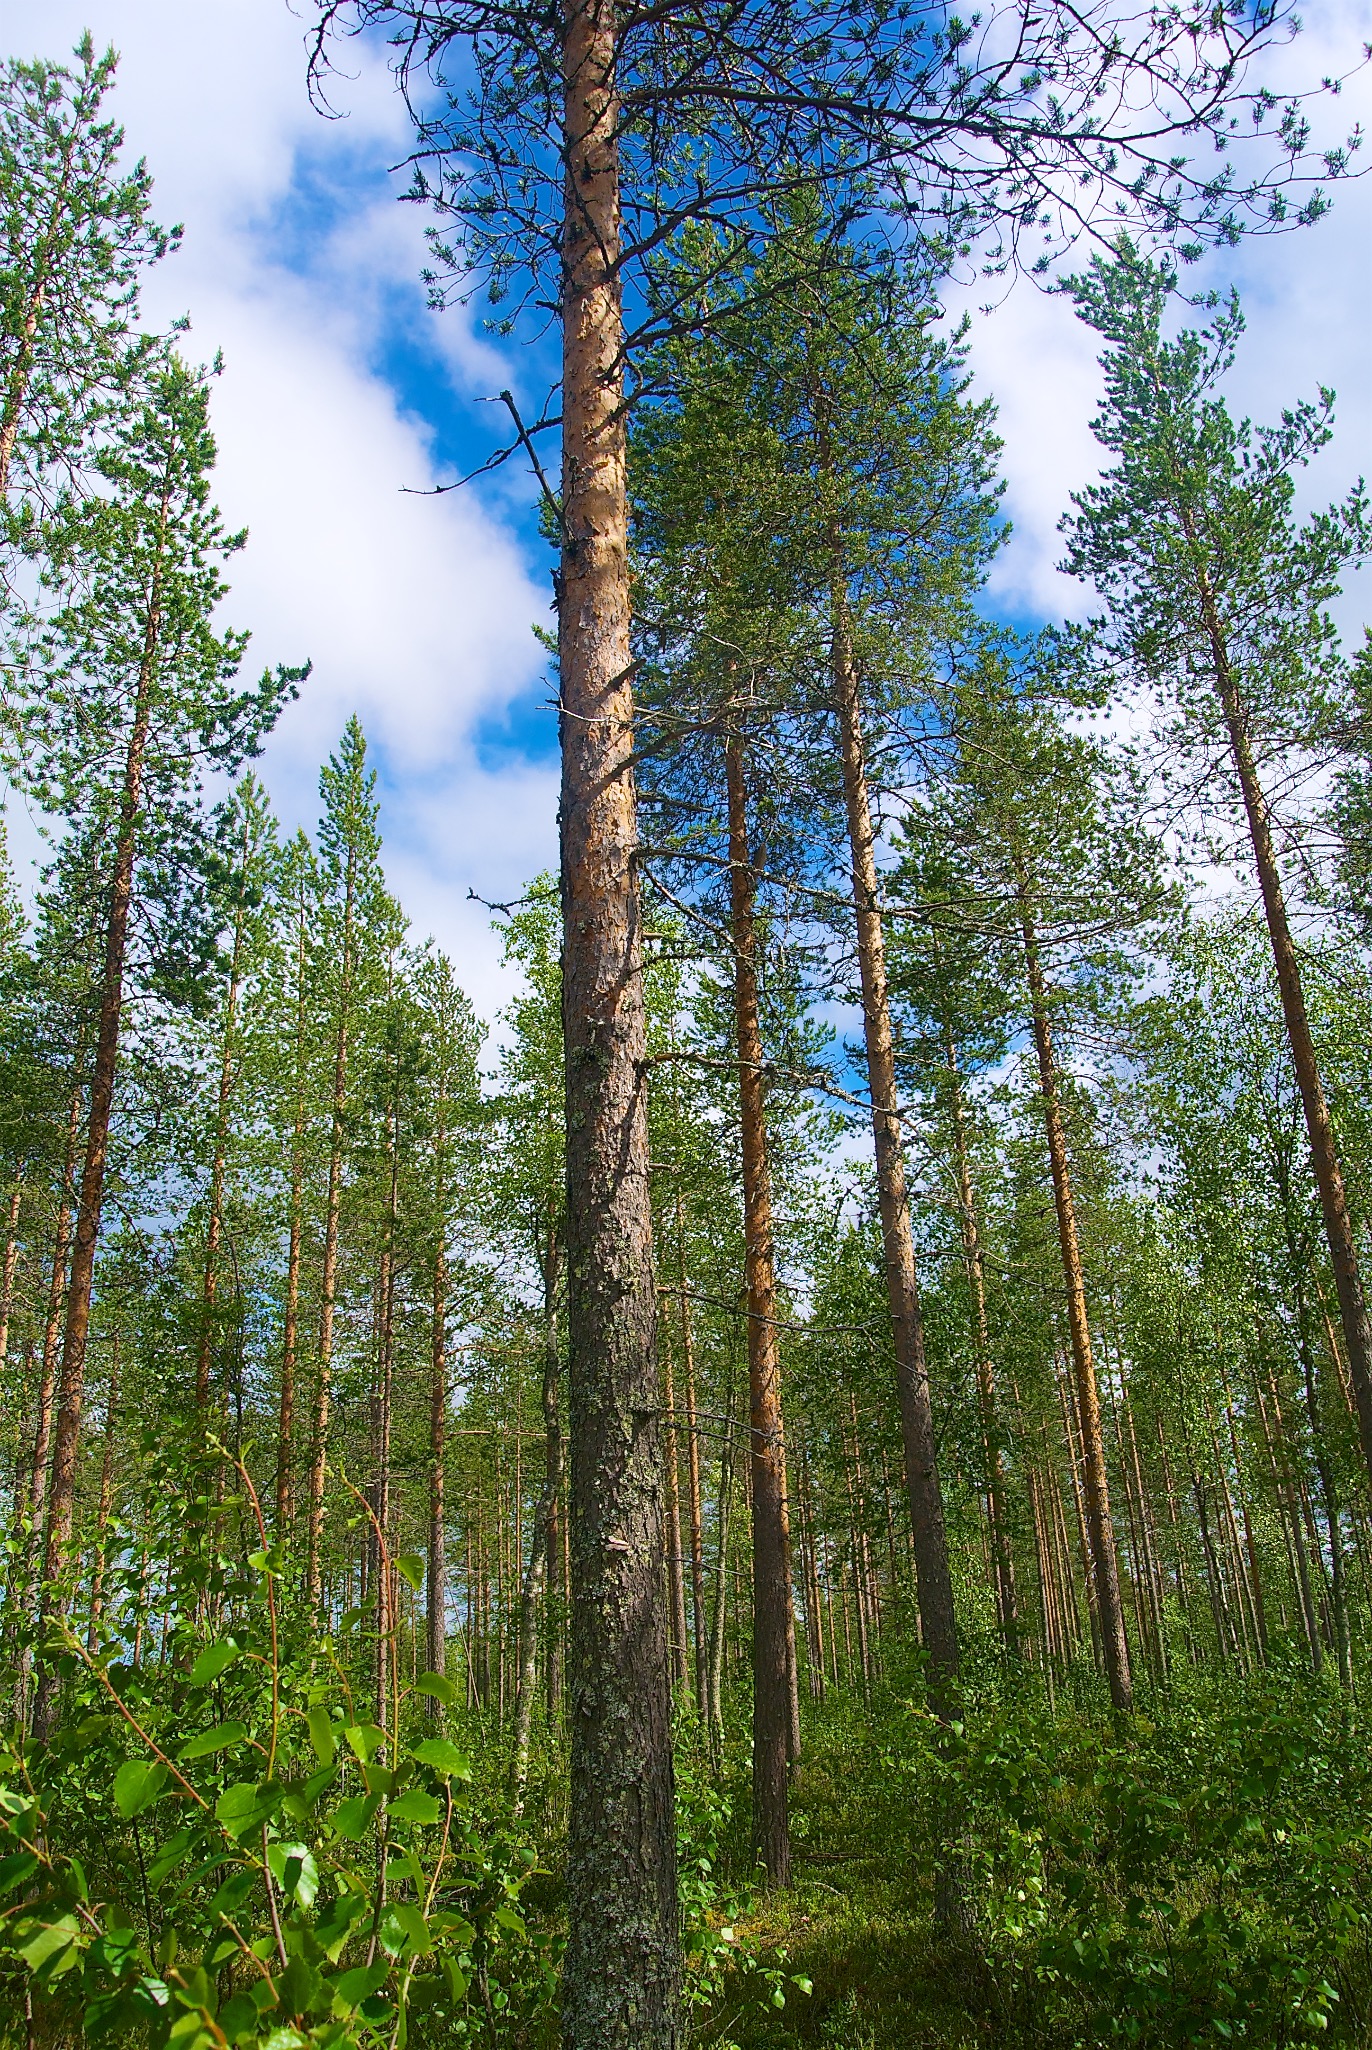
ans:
(415, 611)
(1308, 301)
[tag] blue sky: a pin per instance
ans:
(343, 395)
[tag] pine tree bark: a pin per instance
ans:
(1100, 1529)
(622, 1972)
(1338, 1223)
(771, 1536)
(62, 1497)
(933, 1579)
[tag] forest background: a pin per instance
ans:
(289, 1481)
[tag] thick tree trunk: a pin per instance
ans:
(1100, 1529)
(622, 1972)
(771, 1537)
(62, 1497)
(933, 1579)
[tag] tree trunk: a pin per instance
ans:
(210, 1290)
(771, 1536)
(11, 1260)
(386, 1582)
(723, 1512)
(676, 1565)
(543, 1538)
(933, 1579)
(62, 1498)
(622, 1972)
(285, 1426)
(436, 1575)
(52, 1334)
(319, 1449)
(1100, 1530)
(102, 1514)
(1338, 1224)
(698, 1627)
(1001, 1555)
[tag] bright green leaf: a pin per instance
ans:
(350, 1989)
(442, 1757)
(137, 1785)
(415, 1806)
(410, 1567)
(223, 1738)
(437, 1687)
(322, 1735)
(215, 1659)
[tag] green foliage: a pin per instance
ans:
(219, 1848)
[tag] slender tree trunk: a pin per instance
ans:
(52, 1334)
(771, 1537)
(622, 1971)
(11, 1260)
(436, 1575)
(214, 1231)
(676, 1564)
(1289, 1516)
(102, 1515)
(543, 1539)
(1338, 1224)
(1329, 1495)
(933, 1579)
(1001, 1553)
(319, 1450)
(386, 1608)
(1100, 1529)
(285, 1428)
(698, 1622)
(62, 1498)
(723, 1513)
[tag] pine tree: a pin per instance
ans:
(76, 238)
(1219, 604)
(139, 698)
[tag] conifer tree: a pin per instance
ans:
(1219, 604)
(139, 699)
(76, 236)
(564, 160)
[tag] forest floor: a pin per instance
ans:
(857, 1923)
(1199, 1876)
